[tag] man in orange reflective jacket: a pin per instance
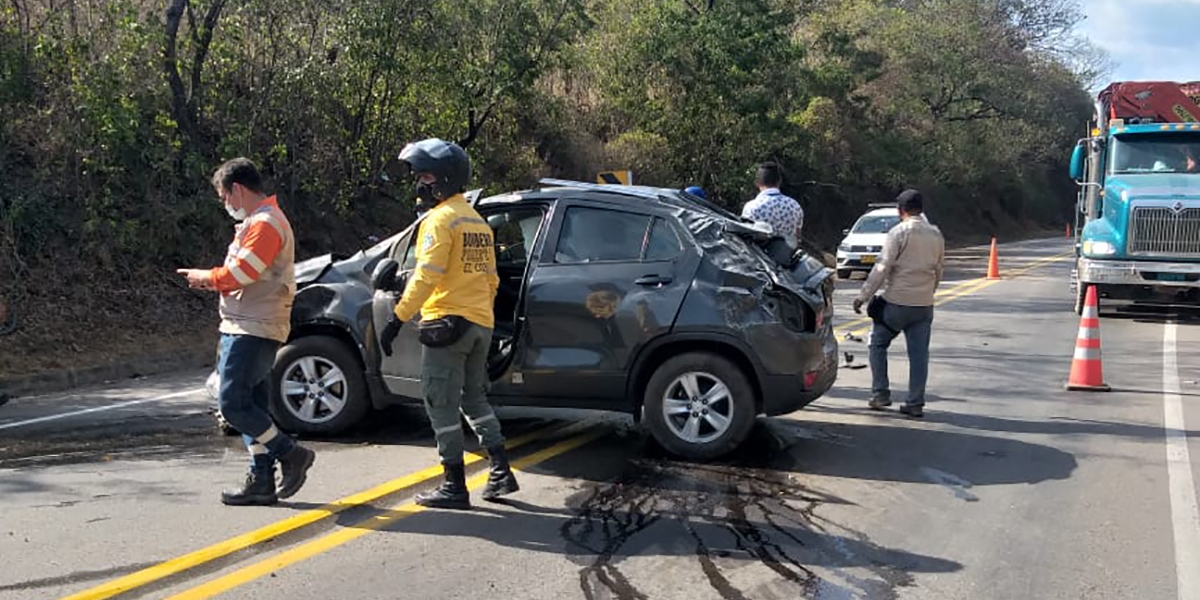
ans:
(257, 285)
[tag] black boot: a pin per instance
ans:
(259, 490)
(501, 481)
(453, 491)
(294, 466)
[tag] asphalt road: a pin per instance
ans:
(1010, 487)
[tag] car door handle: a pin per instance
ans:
(653, 280)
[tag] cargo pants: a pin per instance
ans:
(454, 380)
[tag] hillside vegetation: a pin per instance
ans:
(116, 112)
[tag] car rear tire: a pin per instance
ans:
(318, 387)
(699, 405)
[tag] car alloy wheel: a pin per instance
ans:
(698, 407)
(313, 389)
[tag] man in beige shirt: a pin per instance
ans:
(909, 271)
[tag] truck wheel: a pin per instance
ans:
(318, 387)
(699, 405)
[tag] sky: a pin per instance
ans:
(1147, 39)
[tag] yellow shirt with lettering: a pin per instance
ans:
(456, 266)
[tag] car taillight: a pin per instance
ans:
(810, 379)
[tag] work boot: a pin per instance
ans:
(294, 467)
(453, 491)
(259, 490)
(501, 481)
(913, 411)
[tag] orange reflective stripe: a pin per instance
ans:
(264, 239)
(240, 275)
(224, 280)
(251, 257)
(270, 219)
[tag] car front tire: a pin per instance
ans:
(318, 387)
(699, 405)
(844, 274)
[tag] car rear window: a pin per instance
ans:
(664, 243)
(597, 235)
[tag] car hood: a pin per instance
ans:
(335, 267)
(1154, 185)
(865, 239)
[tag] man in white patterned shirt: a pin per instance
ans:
(770, 206)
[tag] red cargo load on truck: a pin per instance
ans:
(1153, 101)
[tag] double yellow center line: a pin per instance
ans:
(342, 536)
(862, 325)
(227, 547)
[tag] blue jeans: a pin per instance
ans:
(916, 323)
(245, 371)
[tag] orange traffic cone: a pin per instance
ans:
(1087, 373)
(993, 262)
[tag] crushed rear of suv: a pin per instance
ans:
(641, 300)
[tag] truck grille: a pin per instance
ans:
(1164, 231)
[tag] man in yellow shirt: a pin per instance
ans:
(453, 286)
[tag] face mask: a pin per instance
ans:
(425, 193)
(238, 214)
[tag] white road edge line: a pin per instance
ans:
(1185, 516)
(76, 413)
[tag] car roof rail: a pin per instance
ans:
(881, 205)
(627, 190)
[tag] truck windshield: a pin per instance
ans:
(880, 224)
(1155, 153)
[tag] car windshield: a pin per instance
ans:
(876, 224)
(1155, 153)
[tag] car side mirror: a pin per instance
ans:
(845, 232)
(384, 277)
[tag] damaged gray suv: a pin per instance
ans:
(640, 300)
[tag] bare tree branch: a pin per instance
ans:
(202, 46)
(544, 44)
(179, 100)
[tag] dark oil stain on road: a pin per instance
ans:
(725, 515)
(157, 438)
(76, 577)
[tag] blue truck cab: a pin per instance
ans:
(1138, 210)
